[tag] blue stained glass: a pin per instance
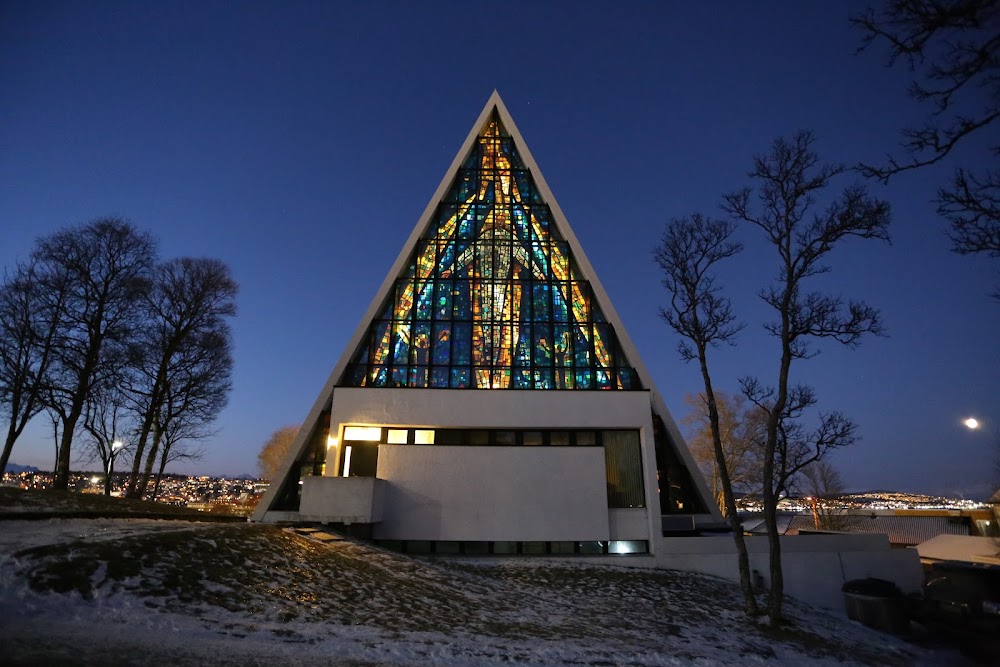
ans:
(421, 346)
(542, 337)
(460, 299)
(560, 312)
(442, 342)
(439, 377)
(491, 296)
(442, 299)
(418, 376)
(542, 302)
(466, 185)
(461, 343)
(521, 223)
(425, 300)
(357, 373)
(460, 378)
(401, 343)
(580, 350)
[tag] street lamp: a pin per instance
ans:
(971, 423)
(115, 448)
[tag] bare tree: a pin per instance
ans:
(824, 485)
(182, 439)
(185, 349)
(741, 430)
(107, 422)
(27, 327)
(952, 47)
(274, 450)
(105, 266)
(703, 318)
(788, 181)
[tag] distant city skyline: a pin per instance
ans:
(300, 145)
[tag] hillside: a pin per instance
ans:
(115, 591)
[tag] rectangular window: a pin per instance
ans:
(533, 548)
(423, 437)
(449, 437)
(505, 548)
(418, 546)
(448, 547)
(533, 438)
(363, 433)
(506, 438)
(628, 547)
(479, 438)
(562, 547)
(624, 469)
(397, 436)
(476, 548)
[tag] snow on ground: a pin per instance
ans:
(120, 591)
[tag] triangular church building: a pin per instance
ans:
(490, 400)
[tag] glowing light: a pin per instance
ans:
(116, 445)
(347, 461)
(397, 436)
(363, 433)
(971, 423)
(422, 437)
(95, 480)
(331, 442)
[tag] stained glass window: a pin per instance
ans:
(491, 297)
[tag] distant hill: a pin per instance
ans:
(15, 469)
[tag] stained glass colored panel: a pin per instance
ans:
(491, 297)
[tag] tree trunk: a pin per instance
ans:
(7, 448)
(133, 480)
(147, 472)
(110, 468)
(742, 558)
(159, 473)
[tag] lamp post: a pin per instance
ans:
(115, 448)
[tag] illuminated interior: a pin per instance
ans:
(491, 297)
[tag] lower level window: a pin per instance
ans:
(536, 548)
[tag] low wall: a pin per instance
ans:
(814, 566)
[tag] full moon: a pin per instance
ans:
(971, 422)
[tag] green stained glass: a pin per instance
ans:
(491, 297)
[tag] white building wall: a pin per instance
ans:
(424, 472)
(814, 567)
(492, 493)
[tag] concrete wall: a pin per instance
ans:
(814, 567)
(493, 493)
(444, 408)
(342, 499)
(628, 524)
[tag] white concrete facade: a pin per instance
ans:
(344, 500)
(493, 493)
(500, 493)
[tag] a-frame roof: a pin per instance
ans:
(493, 104)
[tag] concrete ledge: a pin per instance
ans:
(346, 500)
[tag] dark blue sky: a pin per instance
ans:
(299, 142)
